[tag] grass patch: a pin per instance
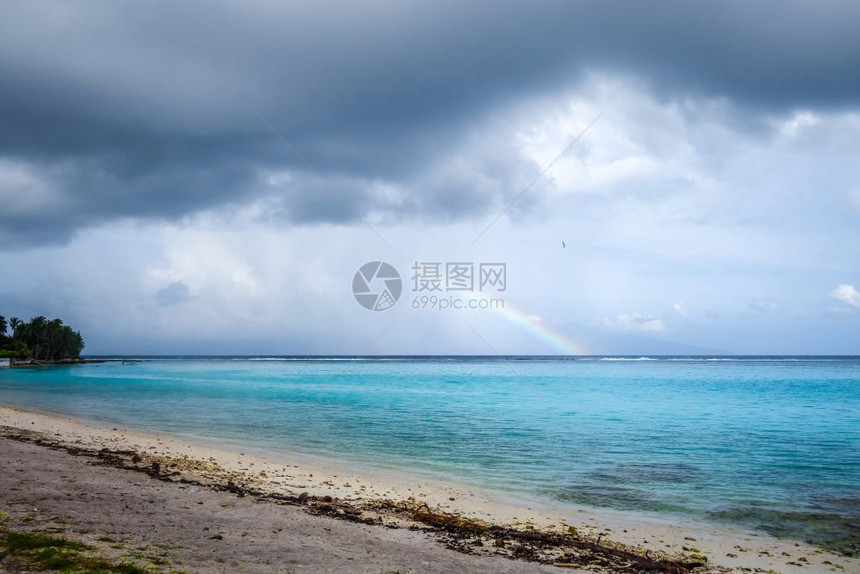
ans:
(54, 553)
(18, 541)
(128, 568)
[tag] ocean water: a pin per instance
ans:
(771, 443)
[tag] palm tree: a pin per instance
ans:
(3, 325)
(43, 339)
(14, 322)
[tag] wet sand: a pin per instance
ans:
(206, 509)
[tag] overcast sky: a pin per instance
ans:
(208, 177)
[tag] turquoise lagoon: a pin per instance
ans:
(771, 443)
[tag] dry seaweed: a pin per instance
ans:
(456, 532)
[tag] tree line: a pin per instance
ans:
(39, 339)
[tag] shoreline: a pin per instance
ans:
(400, 500)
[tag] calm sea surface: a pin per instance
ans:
(764, 442)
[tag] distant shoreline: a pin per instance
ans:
(30, 363)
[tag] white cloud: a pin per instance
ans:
(636, 323)
(798, 122)
(847, 294)
(763, 306)
(680, 309)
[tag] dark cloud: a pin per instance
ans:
(148, 110)
(174, 293)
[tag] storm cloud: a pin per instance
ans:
(110, 111)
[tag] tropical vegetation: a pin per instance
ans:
(40, 339)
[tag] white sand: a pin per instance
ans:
(294, 474)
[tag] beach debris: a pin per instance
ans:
(566, 565)
(450, 522)
(565, 549)
(231, 487)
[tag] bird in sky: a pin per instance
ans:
(563, 245)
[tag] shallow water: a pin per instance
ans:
(770, 443)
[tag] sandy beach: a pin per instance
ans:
(179, 505)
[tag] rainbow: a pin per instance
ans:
(536, 328)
